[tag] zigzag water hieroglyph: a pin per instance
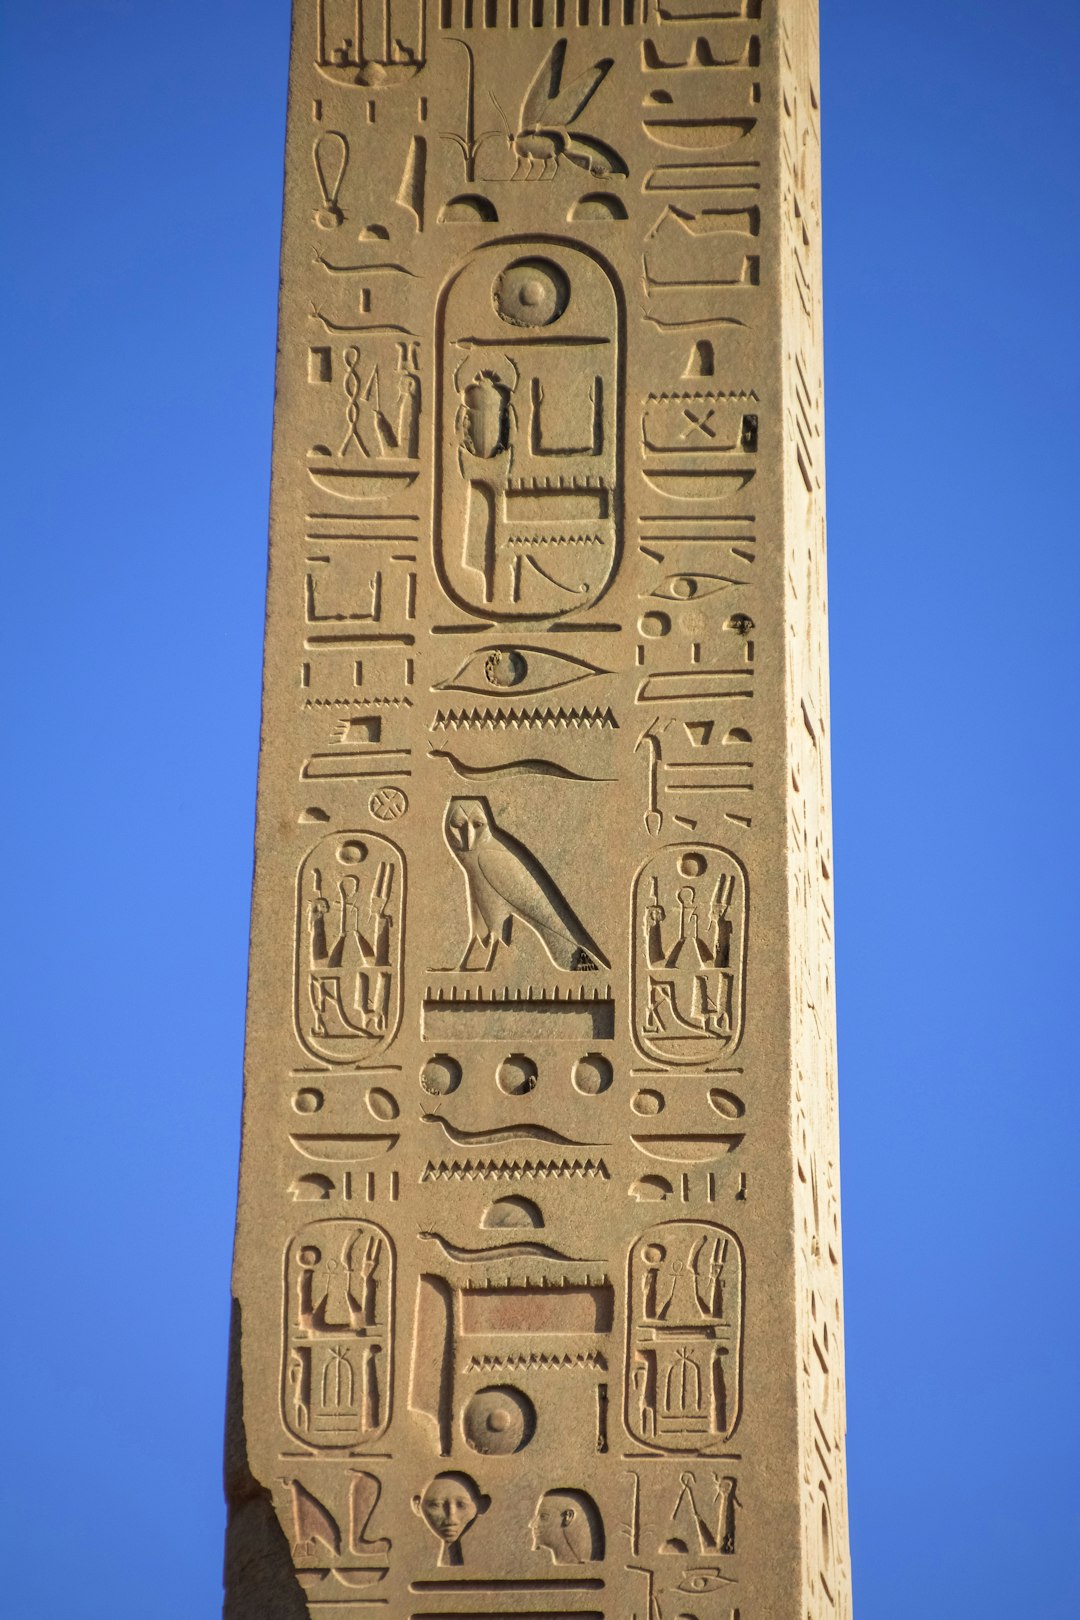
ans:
(536, 1361)
(358, 703)
(522, 719)
(514, 1170)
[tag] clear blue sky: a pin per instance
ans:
(142, 178)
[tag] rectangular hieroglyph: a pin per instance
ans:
(537, 1268)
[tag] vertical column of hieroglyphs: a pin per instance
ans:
(824, 1501)
(532, 1110)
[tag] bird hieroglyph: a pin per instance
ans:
(505, 881)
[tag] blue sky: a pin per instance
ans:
(141, 222)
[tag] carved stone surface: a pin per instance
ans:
(541, 995)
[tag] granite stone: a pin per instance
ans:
(537, 1277)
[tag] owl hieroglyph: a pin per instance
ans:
(505, 881)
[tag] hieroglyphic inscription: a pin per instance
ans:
(540, 1012)
(684, 1314)
(339, 1281)
(349, 947)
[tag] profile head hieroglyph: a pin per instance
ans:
(567, 1524)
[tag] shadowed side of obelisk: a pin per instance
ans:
(260, 1582)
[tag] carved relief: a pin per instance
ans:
(680, 424)
(684, 762)
(689, 945)
(534, 144)
(550, 719)
(684, 1336)
(471, 1321)
(331, 158)
(545, 133)
(682, 1531)
(374, 447)
(448, 1506)
(506, 884)
(702, 250)
(349, 942)
(525, 718)
(517, 669)
(335, 1522)
(364, 46)
(567, 1524)
(527, 517)
(339, 1324)
(498, 1421)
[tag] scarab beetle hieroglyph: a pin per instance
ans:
(486, 420)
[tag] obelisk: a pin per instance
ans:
(538, 1288)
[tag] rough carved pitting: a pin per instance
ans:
(538, 1240)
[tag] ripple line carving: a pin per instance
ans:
(379, 265)
(515, 1170)
(372, 328)
(504, 1133)
(681, 326)
(537, 1361)
(522, 719)
(503, 1251)
(513, 767)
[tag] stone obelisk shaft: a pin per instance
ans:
(538, 1291)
